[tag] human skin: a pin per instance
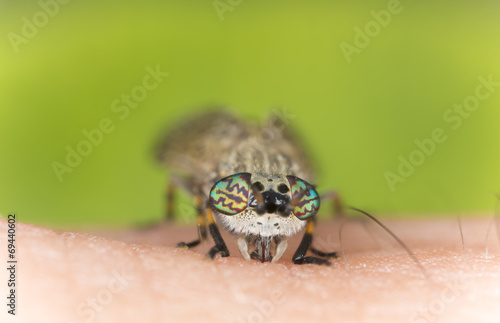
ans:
(139, 276)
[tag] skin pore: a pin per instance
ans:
(139, 276)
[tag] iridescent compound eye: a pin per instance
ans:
(230, 195)
(305, 199)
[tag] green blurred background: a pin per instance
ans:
(357, 117)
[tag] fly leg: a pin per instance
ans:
(220, 246)
(299, 257)
(204, 216)
(202, 226)
(169, 201)
(262, 250)
(338, 213)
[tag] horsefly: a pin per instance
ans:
(254, 181)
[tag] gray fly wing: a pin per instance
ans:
(279, 127)
(216, 144)
(196, 146)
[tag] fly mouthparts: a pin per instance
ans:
(264, 252)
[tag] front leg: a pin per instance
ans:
(202, 230)
(299, 257)
(220, 246)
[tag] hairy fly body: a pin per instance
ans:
(252, 180)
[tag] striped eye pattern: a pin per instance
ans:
(230, 195)
(307, 204)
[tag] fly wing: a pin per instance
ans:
(217, 144)
(285, 140)
(196, 146)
